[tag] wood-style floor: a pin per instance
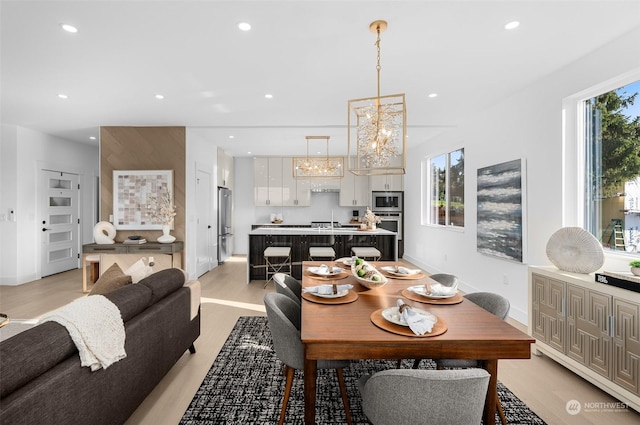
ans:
(541, 383)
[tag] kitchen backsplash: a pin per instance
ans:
(322, 204)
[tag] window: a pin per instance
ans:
(443, 196)
(612, 167)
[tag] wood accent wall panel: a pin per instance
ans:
(143, 148)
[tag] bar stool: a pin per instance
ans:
(278, 260)
(366, 252)
(316, 252)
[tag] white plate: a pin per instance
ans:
(392, 315)
(420, 290)
(347, 261)
(392, 270)
(321, 271)
(340, 294)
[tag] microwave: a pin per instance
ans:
(386, 201)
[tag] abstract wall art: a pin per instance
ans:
(135, 193)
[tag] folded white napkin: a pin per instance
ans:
(441, 290)
(404, 270)
(324, 269)
(325, 289)
(417, 322)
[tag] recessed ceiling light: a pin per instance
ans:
(512, 25)
(249, 153)
(159, 97)
(244, 26)
(69, 28)
(268, 96)
(432, 95)
(92, 137)
(232, 137)
(62, 96)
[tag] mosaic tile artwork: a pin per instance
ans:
(135, 192)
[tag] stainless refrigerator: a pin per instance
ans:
(225, 237)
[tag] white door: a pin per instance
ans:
(204, 224)
(60, 227)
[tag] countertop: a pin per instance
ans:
(311, 231)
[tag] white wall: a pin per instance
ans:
(24, 153)
(528, 125)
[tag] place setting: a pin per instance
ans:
(330, 294)
(433, 293)
(403, 319)
(326, 272)
(401, 272)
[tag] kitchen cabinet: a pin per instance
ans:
(295, 192)
(267, 181)
(225, 169)
(387, 182)
(354, 191)
(590, 328)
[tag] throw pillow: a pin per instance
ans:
(138, 271)
(111, 279)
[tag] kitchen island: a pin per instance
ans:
(299, 239)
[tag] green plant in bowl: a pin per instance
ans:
(635, 267)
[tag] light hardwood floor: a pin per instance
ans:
(541, 383)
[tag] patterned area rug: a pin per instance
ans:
(245, 386)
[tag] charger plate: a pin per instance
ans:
(456, 299)
(376, 317)
(349, 298)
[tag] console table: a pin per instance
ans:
(173, 250)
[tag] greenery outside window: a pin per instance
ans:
(612, 168)
(443, 193)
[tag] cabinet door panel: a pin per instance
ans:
(626, 345)
(548, 313)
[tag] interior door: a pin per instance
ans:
(204, 229)
(60, 222)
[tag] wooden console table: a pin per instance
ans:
(174, 250)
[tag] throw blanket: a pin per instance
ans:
(95, 326)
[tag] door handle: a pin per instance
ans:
(44, 229)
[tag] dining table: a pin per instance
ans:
(352, 328)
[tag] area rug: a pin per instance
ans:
(245, 386)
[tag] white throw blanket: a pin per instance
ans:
(95, 326)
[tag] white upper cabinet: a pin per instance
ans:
(267, 181)
(225, 169)
(354, 191)
(295, 192)
(388, 182)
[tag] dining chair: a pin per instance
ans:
(283, 315)
(283, 288)
(424, 397)
(445, 279)
(498, 306)
(292, 283)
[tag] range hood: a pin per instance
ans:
(324, 190)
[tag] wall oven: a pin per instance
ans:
(386, 201)
(391, 222)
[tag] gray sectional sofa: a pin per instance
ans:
(42, 382)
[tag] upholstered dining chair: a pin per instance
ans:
(283, 314)
(290, 282)
(424, 397)
(445, 279)
(283, 288)
(498, 306)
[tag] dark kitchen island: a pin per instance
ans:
(301, 238)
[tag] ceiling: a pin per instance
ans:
(312, 56)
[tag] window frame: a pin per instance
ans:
(427, 186)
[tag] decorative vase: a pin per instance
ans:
(635, 271)
(372, 226)
(166, 235)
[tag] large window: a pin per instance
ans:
(612, 174)
(443, 197)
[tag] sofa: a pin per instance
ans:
(42, 381)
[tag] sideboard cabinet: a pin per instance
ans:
(591, 328)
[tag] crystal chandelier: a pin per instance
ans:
(378, 146)
(318, 166)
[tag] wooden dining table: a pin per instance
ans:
(346, 331)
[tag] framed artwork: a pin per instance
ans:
(501, 210)
(136, 195)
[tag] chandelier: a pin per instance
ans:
(318, 166)
(379, 124)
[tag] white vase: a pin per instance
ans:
(166, 235)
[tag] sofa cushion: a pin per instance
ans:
(130, 300)
(31, 353)
(163, 283)
(111, 279)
